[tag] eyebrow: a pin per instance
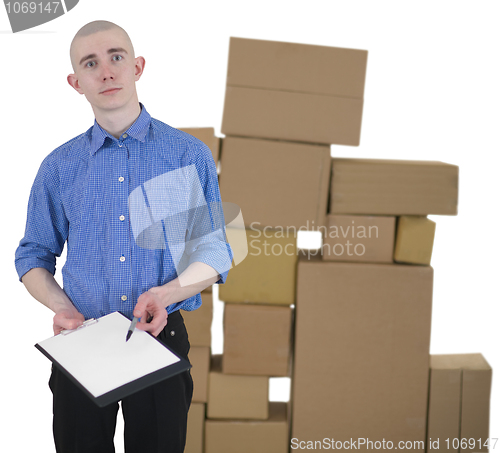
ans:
(110, 51)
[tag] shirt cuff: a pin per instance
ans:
(25, 265)
(218, 256)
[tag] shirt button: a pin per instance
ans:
(122, 218)
(121, 179)
(124, 135)
(124, 298)
(122, 258)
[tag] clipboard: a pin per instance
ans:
(96, 357)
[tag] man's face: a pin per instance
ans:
(106, 70)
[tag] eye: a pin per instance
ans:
(90, 64)
(117, 57)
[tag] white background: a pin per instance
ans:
(432, 93)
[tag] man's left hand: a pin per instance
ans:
(150, 306)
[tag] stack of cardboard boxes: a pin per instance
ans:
(357, 310)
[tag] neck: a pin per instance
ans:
(116, 122)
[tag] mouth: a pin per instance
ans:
(110, 91)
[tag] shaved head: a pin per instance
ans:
(96, 27)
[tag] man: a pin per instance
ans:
(104, 192)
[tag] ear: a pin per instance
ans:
(140, 62)
(73, 81)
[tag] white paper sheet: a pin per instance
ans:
(101, 360)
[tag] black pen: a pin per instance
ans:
(131, 328)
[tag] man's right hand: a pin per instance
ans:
(66, 319)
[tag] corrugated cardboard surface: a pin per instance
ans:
(289, 66)
(414, 240)
(236, 397)
(267, 274)
(207, 136)
(257, 340)
(361, 364)
(199, 356)
(476, 392)
(474, 400)
(393, 187)
(445, 390)
(195, 428)
(294, 91)
(368, 239)
(284, 115)
(276, 184)
(238, 436)
(199, 322)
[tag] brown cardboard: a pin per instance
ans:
(445, 388)
(195, 428)
(199, 322)
(294, 92)
(245, 436)
(267, 274)
(361, 364)
(365, 239)
(393, 187)
(459, 400)
(207, 136)
(414, 240)
(300, 117)
(236, 397)
(476, 392)
(199, 356)
(257, 340)
(276, 184)
(276, 65)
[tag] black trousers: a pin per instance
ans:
(155, 418)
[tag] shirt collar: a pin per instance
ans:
(137, 130)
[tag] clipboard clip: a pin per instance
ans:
(86, 323)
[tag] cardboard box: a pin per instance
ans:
(393, 187)
(244, 436)
(199, 356)
(361, 364)
(476, 392)
(459, 400)
(414, 240)
(195, 428)
(199, 322)
(236, 397)
(445, 388)
(257, 340)
(296, 92)
(267, 274)
(280, 185)
(207, 136)
(368, 239)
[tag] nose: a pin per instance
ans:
(107, 72)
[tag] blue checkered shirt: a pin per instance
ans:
(81, 194)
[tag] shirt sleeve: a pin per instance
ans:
(46, 224)
(208, 242)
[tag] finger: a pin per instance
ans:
(63, 322)
(139, 309)
(160, 328)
